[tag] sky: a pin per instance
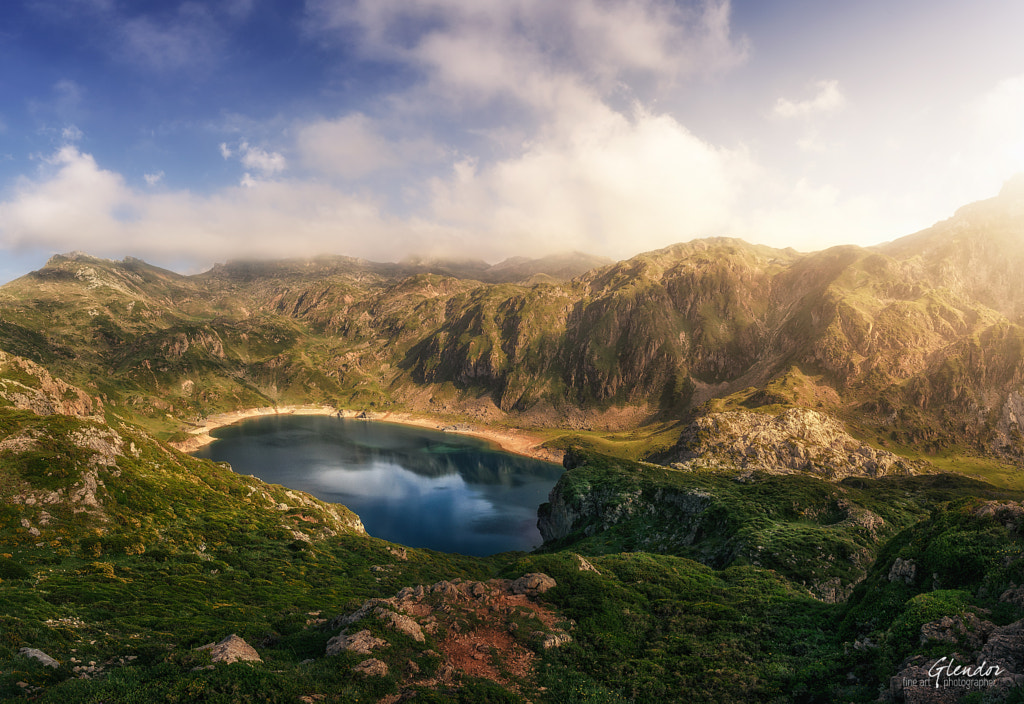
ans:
(189, 133)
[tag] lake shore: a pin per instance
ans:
(518, 442)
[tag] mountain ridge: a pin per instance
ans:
(652, 338)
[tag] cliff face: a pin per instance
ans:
(592, 509)
(28, 386)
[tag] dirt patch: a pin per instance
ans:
(478, 653)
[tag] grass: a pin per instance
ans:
(637, 444)
(706, 585)
(188, 552)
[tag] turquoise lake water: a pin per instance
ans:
(418, 487)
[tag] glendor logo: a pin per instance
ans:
(948, 674)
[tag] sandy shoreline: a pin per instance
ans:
(516, 441)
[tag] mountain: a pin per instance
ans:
(914, 344)
(759, 445)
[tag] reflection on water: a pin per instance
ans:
(417, 487)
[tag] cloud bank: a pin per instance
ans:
(510, 127)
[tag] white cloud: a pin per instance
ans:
(350, 147)
(267, 163)
(71, 134)
(534, 50)
(619, 186)
(615, 185)
(257, 159)
(812, 216)
(76, 205)
(829, 98)
(539, 78)
(73, 202)
(353, 147)
(999, 128)
(571, 170)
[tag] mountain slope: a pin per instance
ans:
(799, 405)
(915, 343)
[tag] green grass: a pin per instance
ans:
(637, 444)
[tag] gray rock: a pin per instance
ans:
(39, 655)
(1006, 647)
(903, 570)
(953, 629)
(372, 668)
(798, 439)
(556, 640)
(1014, 595)
(400, 623)
(362, 642)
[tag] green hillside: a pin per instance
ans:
(790, 477)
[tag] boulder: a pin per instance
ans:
(1006, 647)
(532, 584)
(36, 654)
(400, 623)
(903, 571)
(362, 642)
(231, 649)
(372, 668)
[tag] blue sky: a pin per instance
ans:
(186, 133)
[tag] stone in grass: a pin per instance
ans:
(39, 655)
(231, 649)
(372, 668)
(362, 642)
(400, 623)
(532, 584)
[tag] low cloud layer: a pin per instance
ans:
(498, 128)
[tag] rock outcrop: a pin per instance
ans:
(982, 658)
(532, 584)
(593, 509)
(362, 642)
(231, 649)
(903, 571)
(25, 384)
(796, 440)
(465, 620)
(372, 668)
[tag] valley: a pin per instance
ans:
(789, 477)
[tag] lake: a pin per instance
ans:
(421, 488)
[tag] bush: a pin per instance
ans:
(9, 569)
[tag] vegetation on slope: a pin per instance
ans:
(714, 578)
(893, 341)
